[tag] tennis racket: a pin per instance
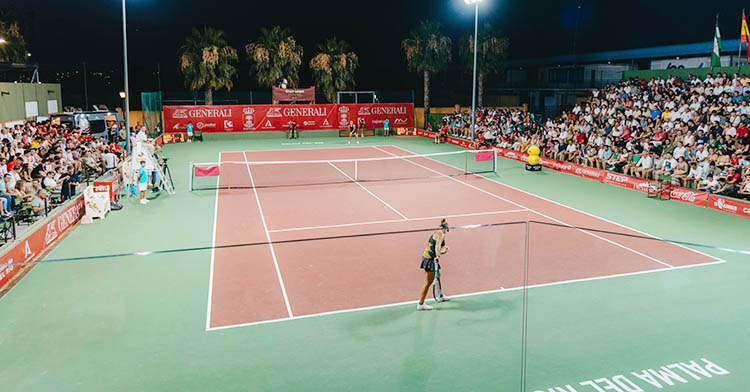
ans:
(437, 288)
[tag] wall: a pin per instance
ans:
(684, 72)
(13, 97)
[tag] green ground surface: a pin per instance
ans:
(138, 324)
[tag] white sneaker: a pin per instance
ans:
(357, 141)
(424, 307)
(349, 142)
(443, 299)
(143, 201)
(147, 201)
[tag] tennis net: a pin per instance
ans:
(263, 174)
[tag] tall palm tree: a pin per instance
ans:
(207, 61)
(492, 49)
(14, 48)
(428, 51)
(333, 67)
(275, 55)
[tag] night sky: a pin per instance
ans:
(68, 32)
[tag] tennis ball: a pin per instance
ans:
(533, 150)
(533, 159)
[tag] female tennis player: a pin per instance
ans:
(352, 131)
(429, 258)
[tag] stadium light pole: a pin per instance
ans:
(474, 79)
(127, 91)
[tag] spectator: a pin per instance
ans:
(38, 203)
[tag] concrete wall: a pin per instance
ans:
(14, 96)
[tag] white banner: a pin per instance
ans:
(690, 62)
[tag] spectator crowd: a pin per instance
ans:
(692, 133)
(42, 165)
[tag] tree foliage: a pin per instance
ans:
(333, 67)
(427, 48)
(275, 55)
(14, 48)
(491, 50)
(207, 61)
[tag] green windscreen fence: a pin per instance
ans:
(152, 112)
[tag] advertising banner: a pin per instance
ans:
(730, 206)
(244, 118)
(293, 94)
(31, 247)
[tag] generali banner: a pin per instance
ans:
(36, 243)
(293, 94)
(244, 118)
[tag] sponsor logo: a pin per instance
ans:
(306, 112)
(274, 112)
(101, 188)
(746, 210)
(248, 110)
(228, 125)
(178, 126)
(511, 154)
(209, 113)
(326, 123)
(364, 111)
(268, 125)
(306, 123)
(202, 125)
(722, 205)
(180, 113)
(400, 121)
(616, 178)
(587, 172)
(51, 233)
(683, 195)
(389, 110)
(248, 121)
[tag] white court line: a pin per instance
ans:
(268, 238)
(368, 191)
(577, 210)
(309, 149)
(522, 206)
(572, 281)
(213, 253)
(394, 221)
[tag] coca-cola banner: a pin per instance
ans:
(730, 206)
(293, 94)
(243, 118)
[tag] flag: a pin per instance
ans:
(745, 36)
(718, 47)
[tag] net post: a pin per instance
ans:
(466, 162)
(229, 182)
(356, 164)
(494, 161)
(192, 171)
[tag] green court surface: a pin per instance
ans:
(139, 323)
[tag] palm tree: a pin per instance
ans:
(207, 61)
(491, 51)
(13, 49)
(333, 67)
(427, 50)
(275, 55)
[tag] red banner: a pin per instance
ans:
(243, 118)
(206, 171)
(30, 248)
(730, 206)
(293, 94)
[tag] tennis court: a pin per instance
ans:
(324, 259)
(538, 306)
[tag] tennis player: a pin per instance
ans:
(429, 259)
(352, 131)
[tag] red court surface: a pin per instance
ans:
(282, 281)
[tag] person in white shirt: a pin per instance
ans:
(679, 151)
(643, 167)
(110, 159)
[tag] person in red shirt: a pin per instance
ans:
(580, 138)
(742, 131)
